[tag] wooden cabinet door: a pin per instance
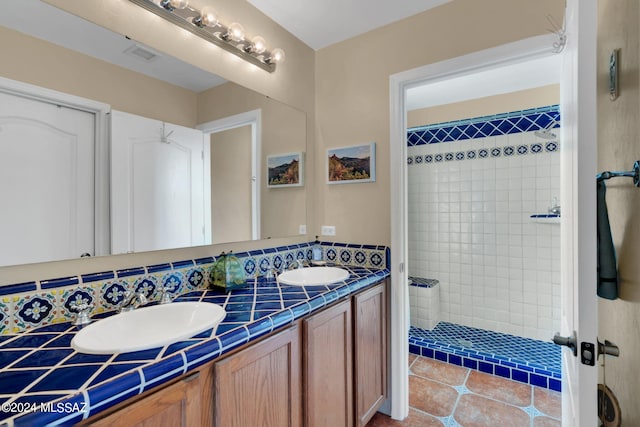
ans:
(178, 404)
(328, 367)
(370, 352)
(261, 385)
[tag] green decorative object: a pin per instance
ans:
(227, 273)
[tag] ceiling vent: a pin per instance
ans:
(142, 53)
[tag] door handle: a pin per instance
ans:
(570, 341)
(608, 348)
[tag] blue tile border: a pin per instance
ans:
(59, 282)
(18, 288)
(159, 268)
(182, 264)
(95, 277)
(109, 394)
(127, 272)
(528, 120)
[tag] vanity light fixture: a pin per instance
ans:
(205, 24)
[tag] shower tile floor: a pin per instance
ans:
(540, 353)
(518, 358)
(441, 394)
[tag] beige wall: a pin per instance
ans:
(504, 103)
(231, 185)
(352, 94)
(618, 148)
(37, 62)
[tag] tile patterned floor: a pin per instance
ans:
(445, 395)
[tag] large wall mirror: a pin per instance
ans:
(151, 99)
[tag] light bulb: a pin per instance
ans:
(208, 18)
(258, 45)
(179, 4)
(277, 56)
(235, 32)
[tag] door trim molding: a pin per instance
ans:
(251, 118)
(521, 50)
(102, 232)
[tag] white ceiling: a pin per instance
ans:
(320, 23)
(499, 80)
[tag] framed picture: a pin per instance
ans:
(356, 163)
(285, 170)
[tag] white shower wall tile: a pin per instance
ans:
(469, 228)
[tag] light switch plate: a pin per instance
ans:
(302, 229)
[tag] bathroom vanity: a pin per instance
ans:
(328, 368)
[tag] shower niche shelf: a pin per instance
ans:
(545, 218)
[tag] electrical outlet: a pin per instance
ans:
(302, 229)
(328, 230)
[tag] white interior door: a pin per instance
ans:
(157, 185)
(579, 163)
(46, 181)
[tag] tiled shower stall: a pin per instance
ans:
(472, 187)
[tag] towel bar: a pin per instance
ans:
(635, 174)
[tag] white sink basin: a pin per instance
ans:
(148, 327)
(313, 276)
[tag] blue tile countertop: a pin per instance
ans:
(43, 381)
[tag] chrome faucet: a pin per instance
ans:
(83, 311)
(165, 296)
(271, 273)
(132, 301)
(298, 263)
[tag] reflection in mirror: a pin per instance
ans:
(232, 204)
(235, 187)
(158, 198)
(113, 72)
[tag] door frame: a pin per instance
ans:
(579, 154)
(102, 158)
(251, 118)
(399, 83)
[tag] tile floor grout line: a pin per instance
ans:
(460, 394)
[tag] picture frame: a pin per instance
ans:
(351, 164)
(285, 170)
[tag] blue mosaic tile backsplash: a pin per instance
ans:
(25, 306)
